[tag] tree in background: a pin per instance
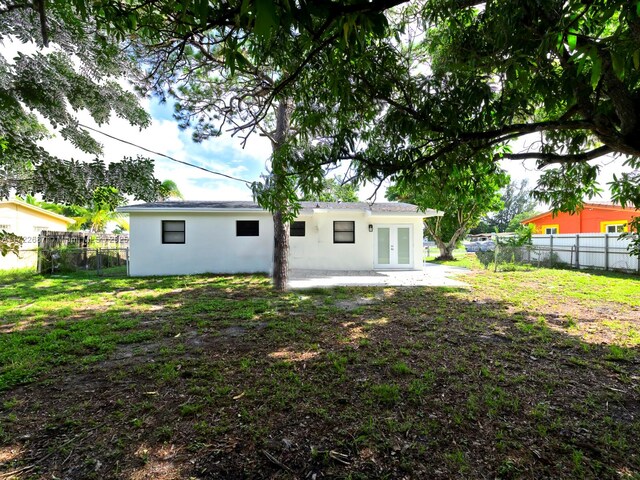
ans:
(464, 193)
(518, 203)
(169, 189)
(95, 216)
(333, 190)
(226, 65)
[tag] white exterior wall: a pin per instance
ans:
(316, 250)
(211, 245)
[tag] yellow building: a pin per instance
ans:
(27, 221)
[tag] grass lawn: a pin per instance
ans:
(525, 374)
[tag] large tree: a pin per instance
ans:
(464, 193)
(226, 69)
(465, 77)
(568, 72)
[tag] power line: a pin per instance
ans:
(166, 156)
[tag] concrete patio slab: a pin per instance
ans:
(432, 275)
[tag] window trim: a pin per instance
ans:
(183, 231)
(257, 222)
(297, 234)
(544, 228)
(610, 223)
(353, 231)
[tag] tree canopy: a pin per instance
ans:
(473, 76)
(64, 64)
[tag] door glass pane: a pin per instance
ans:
(403, 246)
(383, 246)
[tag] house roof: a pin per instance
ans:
(388, 208)
(590, 205)
(33, 208)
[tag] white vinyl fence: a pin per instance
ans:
(585, 250)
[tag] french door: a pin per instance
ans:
(393, 246)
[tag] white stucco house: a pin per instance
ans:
(175, 238)
(27, 221)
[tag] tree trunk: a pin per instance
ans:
(280, 253)
(446, 249)
(280, 230)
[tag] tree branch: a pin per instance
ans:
(550, 158)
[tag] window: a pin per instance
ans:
(297, 229)
(344, 232)
(247, 228)
(551, 230)
(614, 226)
(619, 228)
(173, 231)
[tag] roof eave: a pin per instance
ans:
(43, 211)
(188, 210)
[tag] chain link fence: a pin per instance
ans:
(103, 262)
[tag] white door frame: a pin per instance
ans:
(393, 246)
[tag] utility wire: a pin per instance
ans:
(166, 156)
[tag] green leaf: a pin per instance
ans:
(572, 40)
(618, 65)
(265, 18)
(596, 69)
(559, 41)
(636, 59)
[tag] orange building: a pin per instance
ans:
(593, 218)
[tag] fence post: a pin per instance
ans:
(606, 251)
(127, 255)
(577, 250)
(98, 261)
(550, 249)
(573, 247)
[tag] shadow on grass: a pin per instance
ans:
(236, 381)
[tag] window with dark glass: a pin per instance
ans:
(344, 232)
(247, 228)
(173, 231)
(297, 229)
